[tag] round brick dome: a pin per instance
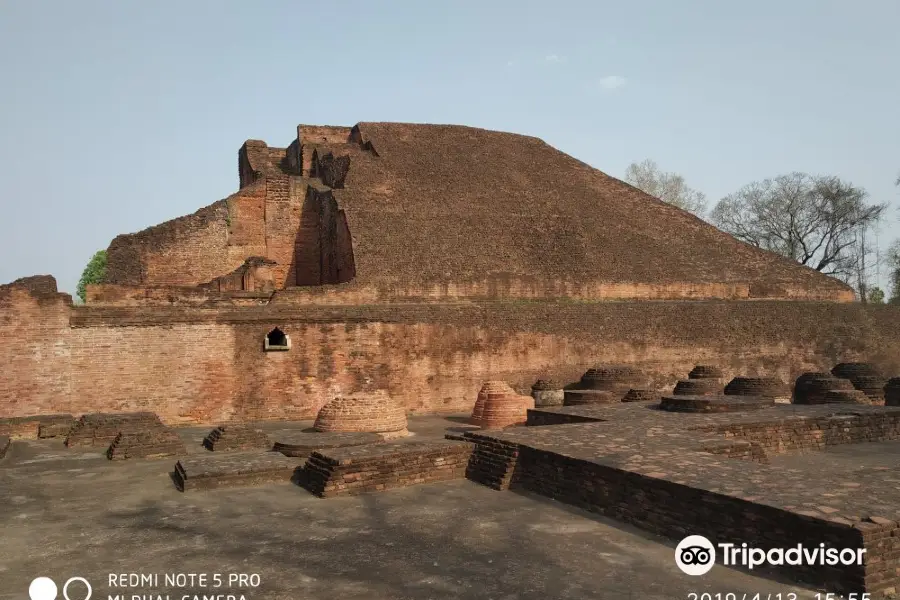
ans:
(767, 387)
(849, 370)
(697, 387)
(872, 385)
(503, 409)
(846, 397)
(706, 372)
(489, 387)
(376, 413)
(812, 387)
(610, 378)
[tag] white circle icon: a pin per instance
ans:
(82, 580)
(42, 588)
(695, 555)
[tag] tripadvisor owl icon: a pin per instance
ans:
(695, 555)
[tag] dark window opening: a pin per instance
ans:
(277, 340)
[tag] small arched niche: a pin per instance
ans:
(277, 340)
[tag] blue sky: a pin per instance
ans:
(119, 115)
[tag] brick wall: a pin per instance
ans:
(35, 375)
(204, 361)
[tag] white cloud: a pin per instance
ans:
(552, 59)
(611, 82)
(511, 63)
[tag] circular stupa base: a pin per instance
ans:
(697, 387)
(812, 387)
(374, 413)
(847, 397)
(769, 387)
(299, 444)
(611, 378)
(582, 397)
(489, 387)
(706, 372)
(635, 395)
(717, 403)
(849, 370)
(547, 393)
(872, 385)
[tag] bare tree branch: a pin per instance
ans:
(818, 221)
(668, 187)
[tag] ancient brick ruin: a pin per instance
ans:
(606, 349)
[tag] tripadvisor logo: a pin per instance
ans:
(696, 555)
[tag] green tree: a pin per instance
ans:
(876, 295)
(94, 272)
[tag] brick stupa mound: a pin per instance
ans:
(547, 393)
(769, 387)
(892, 392)
(155, 443)
(505, 409)
(374, 413)
(580, 397)
(697, 387)
(610, 378)
(714, 403)
(489, 387)
(635, 395)
(301, 445)
(849, 370)
(871, 385)
(810, 388)
(458, 183)
(101, 429)
(846, 397)
(706, 372)
(231, 438)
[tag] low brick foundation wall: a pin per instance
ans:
(493, 462)
(20, 428)
(301, 445)
(845, 427)
(236, 469)
(676, 511)
(156, 443)
(4, 445)
(236, 437)
(101, 429)
(364, 469)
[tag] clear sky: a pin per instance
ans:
(118, 115)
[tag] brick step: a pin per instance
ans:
(4, 445)
(317, 471)
(227, 438)
(101, 429)
(301, 445)
(145, 444)
(364, 469)
(235, 469)
(37, 426)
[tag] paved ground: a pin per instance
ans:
(65, 514)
